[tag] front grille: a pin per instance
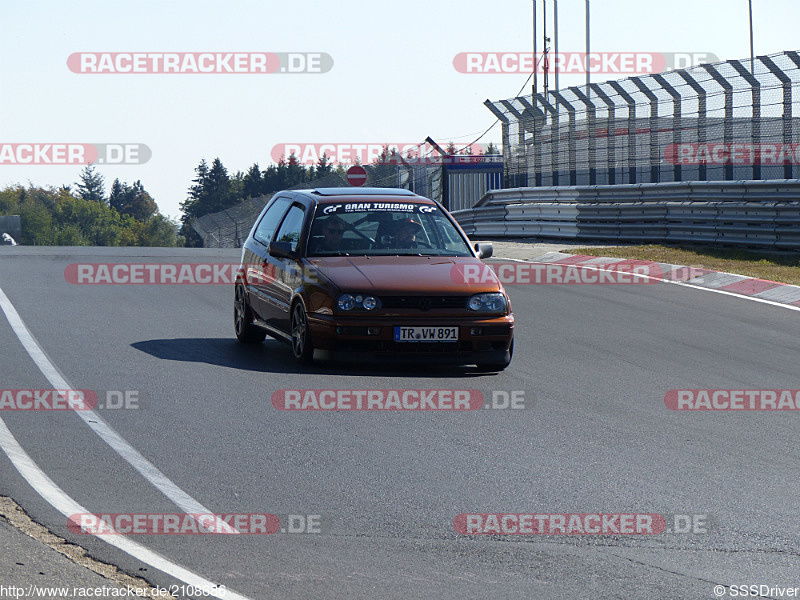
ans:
(424, 303)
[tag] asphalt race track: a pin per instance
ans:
(594, 363)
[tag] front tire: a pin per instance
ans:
(246, 332)
(302, 346)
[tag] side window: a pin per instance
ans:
(270, 220)
(291, 227)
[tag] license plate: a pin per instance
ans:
(426, 334)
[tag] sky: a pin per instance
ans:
(392, 79)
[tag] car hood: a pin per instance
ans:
(403, 274)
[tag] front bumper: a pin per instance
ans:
(480, 339)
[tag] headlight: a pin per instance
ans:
(348, 302)
(488, 303)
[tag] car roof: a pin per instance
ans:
(362, 191)
(325, 195)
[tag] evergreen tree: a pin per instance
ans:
(382, 157)
(295, 172)
(116, 197)
(140, 204)
(324, 166)
(252, 183)
(193, 205)
(91, 186)
(217, 188)
(132, 200)
(272, 179)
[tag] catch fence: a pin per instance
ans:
(726, 121)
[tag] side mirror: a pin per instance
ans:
(484, 250)
(281, 250)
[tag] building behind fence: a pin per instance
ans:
(715, 122)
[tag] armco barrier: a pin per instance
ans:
(763, 214)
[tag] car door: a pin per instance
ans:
(285, 271)
(256, 255)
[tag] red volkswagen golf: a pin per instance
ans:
(370, 272)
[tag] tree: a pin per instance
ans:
(295, 172)
(141, 205)
(252, 183)
(217, 189)
(272, 179)
(116, 197)
(236, 192)
(193, 205)
(132, 200)
(160, 231)
(382, 157)
(324, 166)
(91, 186)
(492, 149)
(53, 216)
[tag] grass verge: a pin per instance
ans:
(781, 267)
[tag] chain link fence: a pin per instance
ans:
(732, 120)
(229, 228)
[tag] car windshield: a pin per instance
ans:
(384, 229)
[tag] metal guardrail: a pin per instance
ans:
(763, 214)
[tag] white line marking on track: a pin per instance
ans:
(57, 498)
(132, 456)
(64, 504)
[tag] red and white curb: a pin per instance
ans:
(770, 292)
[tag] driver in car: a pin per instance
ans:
(332, 231)
(405, 235)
